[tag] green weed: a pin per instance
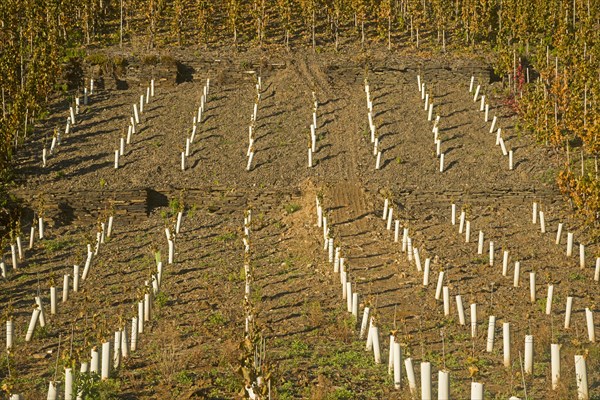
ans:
(226, 237)
(185, 378)
(161, 299)
(291, 208)
(299, 348)
(92, 387)
(340, 394)
(192, 211)
(56, 245)
(576, 276)
(286, 391)
(216, 320)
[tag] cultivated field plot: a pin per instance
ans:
(409, 244)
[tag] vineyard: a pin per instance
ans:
(312, 199)
(547, 53)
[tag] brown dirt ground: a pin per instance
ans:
(191, 346)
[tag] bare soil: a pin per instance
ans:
(190, 348)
